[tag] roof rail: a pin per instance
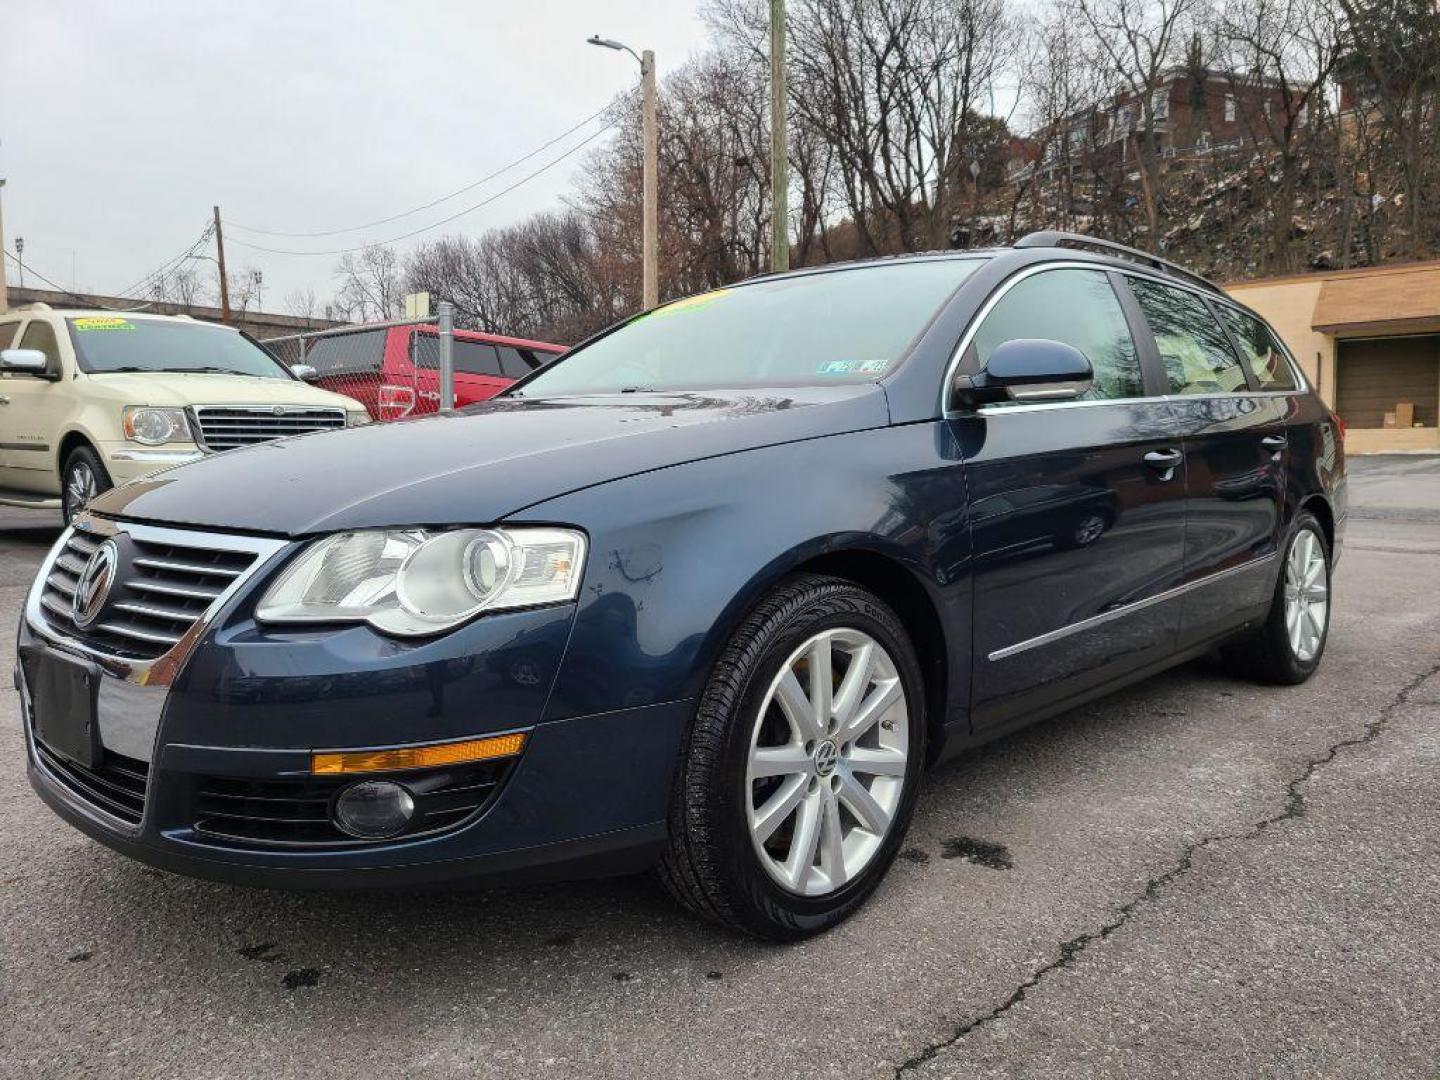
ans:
(1051, 238)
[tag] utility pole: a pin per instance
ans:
(650, 257)
(4, 289)
(220, 261)
(779, 146)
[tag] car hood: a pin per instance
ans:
(181, 388)
(482, 463)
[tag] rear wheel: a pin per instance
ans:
(83, 478)
(1287, 649)
(800, 776)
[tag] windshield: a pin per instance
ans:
(844, 326)
(115, 343)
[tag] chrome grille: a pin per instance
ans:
(160, 591)
(231, 427)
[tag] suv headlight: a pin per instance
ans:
(151, 426)
(414, 582)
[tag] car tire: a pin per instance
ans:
(1288, 647)
(83, 478)
(720, 860)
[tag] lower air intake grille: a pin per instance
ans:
(229, 428)
(116, 786)
(296, 813)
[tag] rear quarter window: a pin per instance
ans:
(348, 354)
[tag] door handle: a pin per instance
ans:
(1274, 442)
(1163, 459)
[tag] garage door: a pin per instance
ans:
(1374, 376)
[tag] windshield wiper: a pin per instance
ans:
(210, 369)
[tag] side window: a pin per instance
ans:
(39, 334)
(472, 357)
(1077, 307)
(1262, 353)
(7, 333)
(348, 354)
(514, 363)
(1194, 348)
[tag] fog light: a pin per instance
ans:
(374, 809)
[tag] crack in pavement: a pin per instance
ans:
(1294, 807)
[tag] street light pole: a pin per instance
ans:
(650, 179)
(779, 148)
(650, 257)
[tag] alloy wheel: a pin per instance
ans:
(80, 487)
(828, 758)
(1307, 596)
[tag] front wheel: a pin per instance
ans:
(1288, 647)
(83, 478)
(801, 772)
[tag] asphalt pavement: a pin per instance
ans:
(1198, 877)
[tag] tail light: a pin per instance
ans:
(393, 402)
(1339, 426)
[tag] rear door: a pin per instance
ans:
(1077, 508)
(1235, 432)
(477, 370)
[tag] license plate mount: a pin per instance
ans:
(64, 699)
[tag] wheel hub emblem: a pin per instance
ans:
(825, 757)
(94, 585)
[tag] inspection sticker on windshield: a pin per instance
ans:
(98, 322)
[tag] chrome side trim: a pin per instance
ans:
(1129, 609)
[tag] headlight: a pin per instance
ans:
(152, 426)
(413, 582)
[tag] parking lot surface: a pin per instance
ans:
(1197, 877)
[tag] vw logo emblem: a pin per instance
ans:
(825, 757)
(94, 584)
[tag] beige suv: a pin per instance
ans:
(93, 399)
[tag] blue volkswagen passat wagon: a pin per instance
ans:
(707, 594)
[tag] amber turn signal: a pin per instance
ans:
(333, 762)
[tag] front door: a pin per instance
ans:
(1077, 508)
(32, 417)
(1233, 418)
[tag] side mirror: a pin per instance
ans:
(24, 361)
(1028, 369)
(304, 372)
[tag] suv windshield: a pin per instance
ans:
(115, 343)
(847, 325)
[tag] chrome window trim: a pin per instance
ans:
(1128, 609)
(161, 671)
(1302, 384)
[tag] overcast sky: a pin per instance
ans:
(121, 124)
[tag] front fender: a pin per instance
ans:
(679, 555)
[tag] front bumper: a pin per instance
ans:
(243, 707)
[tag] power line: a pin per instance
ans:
(443, 221)
(432, 203)
(54, 285)
(129, 291)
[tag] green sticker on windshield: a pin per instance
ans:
(690, 303)
(100, 322)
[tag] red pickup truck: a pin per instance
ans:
(394, 370)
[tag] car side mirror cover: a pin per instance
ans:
(1028, 369)
(24, 361)
(304, 372)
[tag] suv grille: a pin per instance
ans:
(160, 591)
(297, 812)
(229, 428)
(117, 786)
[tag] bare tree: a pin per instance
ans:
(370, 288)
(1281, 53)
(1139, 40)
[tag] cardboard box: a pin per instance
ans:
(1405, 414)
